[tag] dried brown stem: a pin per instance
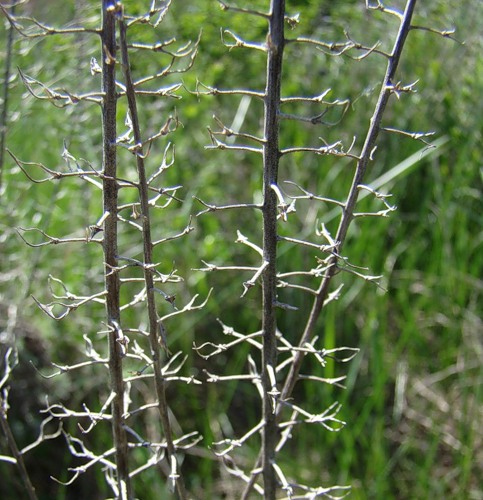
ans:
(271, 158)
(156, 328)
(112, 283)
(348, 212)
(347, 216)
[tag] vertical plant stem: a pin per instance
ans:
(112, 282)
(154, 339)
(271, 157)
(347, 216)
(6, 81)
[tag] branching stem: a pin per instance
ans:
(271, 158)
(112, 283)
(348, 211)
(347, 216)
(154, 323)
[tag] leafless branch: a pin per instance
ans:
(217, 144)
(342, 48)
(239, 42)
(418, 136)
(226, 6)
(59, 98)
(444, 33)
(38, 29)
(51, 240)
(214, 208)
(228, 132)
(215, 91)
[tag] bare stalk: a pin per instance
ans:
(388, 87)
(271, 157)
(368, 149)
(112, 282)
(155, 325)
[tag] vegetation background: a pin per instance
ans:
(413, 400)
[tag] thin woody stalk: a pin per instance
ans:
(271, 157)
(112, 282)
(347, 216)
(349, 206)
(154, 326)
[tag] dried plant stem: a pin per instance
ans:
(348, 214)
(112, 282)
(271, 158)
(349, 206)
(154, 338)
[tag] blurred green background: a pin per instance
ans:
(413, 400)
